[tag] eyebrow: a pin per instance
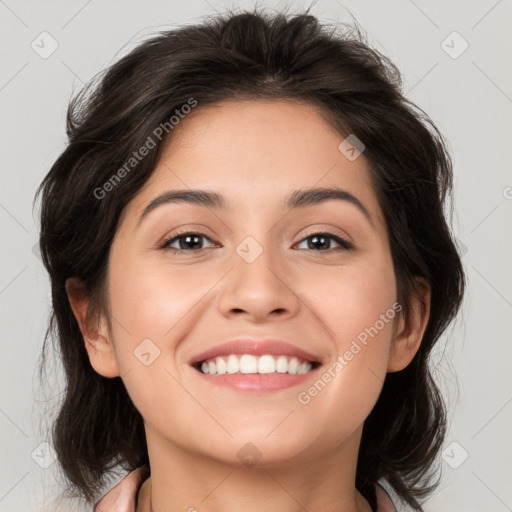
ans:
(298, 199)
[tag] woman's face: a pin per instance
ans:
(254, 270)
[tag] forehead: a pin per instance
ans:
(255, 153)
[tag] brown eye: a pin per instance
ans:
(188, 241)
(319, 241)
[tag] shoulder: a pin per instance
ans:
(384, 503)
(123, 496)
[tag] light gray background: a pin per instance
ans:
(469, 98)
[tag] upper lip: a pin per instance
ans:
(255, 347)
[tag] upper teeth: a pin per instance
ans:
(248, 363)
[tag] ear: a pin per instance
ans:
(101, 351)
(411, 327)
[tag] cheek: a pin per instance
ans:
(351, 300)
(152, 309)
(359, 312)
(150, 300)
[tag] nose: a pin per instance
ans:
(260, 290)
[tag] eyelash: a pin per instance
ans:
(345, 244)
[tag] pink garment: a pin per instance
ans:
(123, 497)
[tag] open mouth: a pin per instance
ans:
(251, 364)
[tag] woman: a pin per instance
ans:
(250, 265)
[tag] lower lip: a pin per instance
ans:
(256, 382)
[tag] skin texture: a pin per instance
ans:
(254, 153)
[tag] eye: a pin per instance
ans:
(187, 242)
(320, 240)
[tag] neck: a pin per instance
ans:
(181, 480)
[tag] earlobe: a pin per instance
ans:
(101, 351)
(411, 328)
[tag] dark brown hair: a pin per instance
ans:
(249, 55)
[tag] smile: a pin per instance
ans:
(251, 364)
(256, 366)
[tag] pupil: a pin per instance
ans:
(315, 239)
(188, 242)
